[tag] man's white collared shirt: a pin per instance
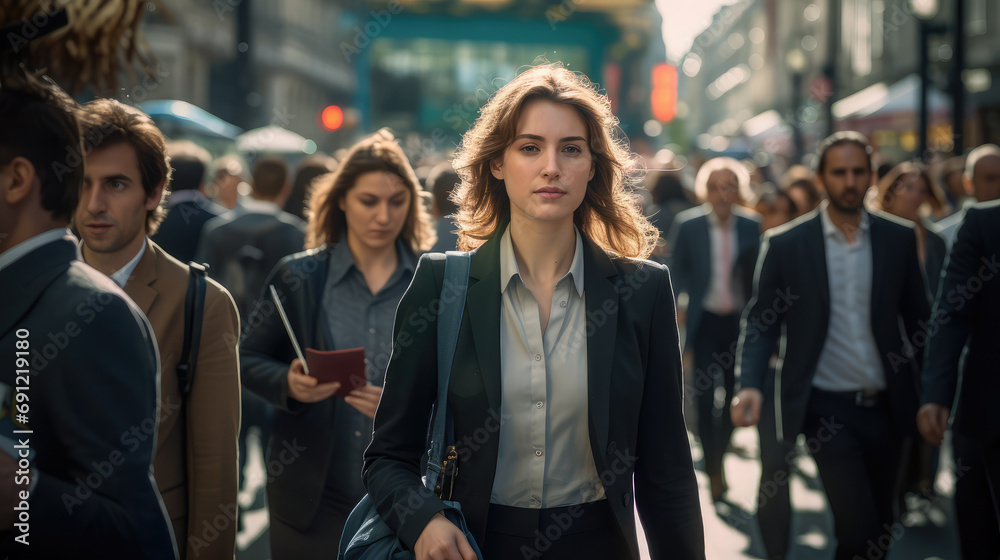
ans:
(849, 360)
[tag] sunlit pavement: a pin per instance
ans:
(731, 532)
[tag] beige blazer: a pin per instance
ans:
(196, 453)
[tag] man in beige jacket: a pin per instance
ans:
(196, 454)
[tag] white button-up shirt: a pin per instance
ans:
(849, 360)
(544, 459)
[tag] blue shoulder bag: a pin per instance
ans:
(366, 536)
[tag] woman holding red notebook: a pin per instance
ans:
(366, 227)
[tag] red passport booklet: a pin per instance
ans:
(345, 366)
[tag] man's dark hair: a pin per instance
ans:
(111, 122)
(40, 123)
(308, 169)
(190, 162)
(441, 182)
(840, 139)
(668, 187)
(269, 176)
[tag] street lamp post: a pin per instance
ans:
(922, 109)
(796, 61)
(956, 85)
(927, 10)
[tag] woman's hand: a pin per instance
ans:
(305, 388)
(443, 540)
(365, 399)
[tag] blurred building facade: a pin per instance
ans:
(766, 79)
(251, 63)
(427, 66)
(421, 67)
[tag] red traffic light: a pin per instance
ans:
(332, 118)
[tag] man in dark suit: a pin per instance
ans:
(981, 180)
(187, 208)
(241, 248)
(83, 362)
(832, 286)
(967, 319)
(243, 245)
(708, 243)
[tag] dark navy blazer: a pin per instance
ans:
(691, 256)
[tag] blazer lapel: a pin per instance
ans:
(817, 253)
(878, 258)
(703, 254)
(600, 296)
(483, 310)
(140, 284)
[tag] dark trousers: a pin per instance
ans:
(578, 532)
(320, 540)
(975, 499)
(774, 504)
(714, 364)
(857, 450)
(255, 411)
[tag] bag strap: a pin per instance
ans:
(194, 310)
(451, 307)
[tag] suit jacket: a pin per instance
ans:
(196, 450)
(791, 305)
(93, 389)
(967, 315)
(691, 259)
(637, 429)
(180, 231)
(241, 248)
(935, 252)
(303, 434)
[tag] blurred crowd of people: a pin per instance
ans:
(833, 302)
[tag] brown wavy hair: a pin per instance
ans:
(378, 152)
(609, 214)
(110, 122)
(886, 188)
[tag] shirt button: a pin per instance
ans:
(357, 433)
(538, 452)
(533, 501)
(562, 304)
(538, 357)
(538, 404)
(372, 331)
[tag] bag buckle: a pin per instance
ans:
(449, 470)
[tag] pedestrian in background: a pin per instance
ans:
(706, 243)
(366, 227)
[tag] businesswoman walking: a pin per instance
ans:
(566, 384)
(366, 225)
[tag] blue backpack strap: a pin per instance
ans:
(449, 320)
